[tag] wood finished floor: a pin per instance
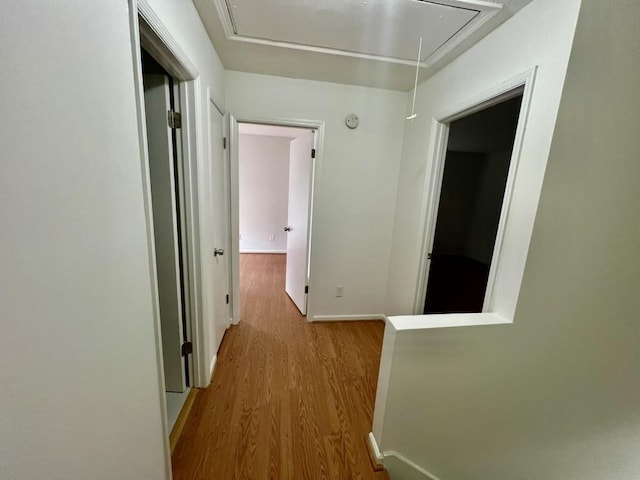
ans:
(289, 399)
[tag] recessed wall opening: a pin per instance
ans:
(275, 173)
(476, 171)
(161, 94)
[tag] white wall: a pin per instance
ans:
(556, 395)
(264, 192)
(80, 389)
(356, 184)
(514, 48)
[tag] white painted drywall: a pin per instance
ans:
(555, 395)
(80, 390)
(515, 47)
(182, 20)
(264, 192)
(270, 130)
(356, 183)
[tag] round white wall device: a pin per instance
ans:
(352, 120)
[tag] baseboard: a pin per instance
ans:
(342, 318)
(263, 251)
(212, 366)
(181, 421)
(377, 459)
(401, 467)
(396, 465)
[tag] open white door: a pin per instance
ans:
(165, 224)
(300, 174)
(219, 241)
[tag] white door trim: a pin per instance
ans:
(316, 125)
(438, 150)
(146, 29)
(159, 42)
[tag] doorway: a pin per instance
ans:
(477, 167)
(166, 175)
(275, 191)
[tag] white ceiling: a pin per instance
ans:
(365, 27)
(270, 130)
(362, 42)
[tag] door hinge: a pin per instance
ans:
(224, 143)
(174, 119)
(227, 299)
(306, 289)
(187, 348)
(313, 153)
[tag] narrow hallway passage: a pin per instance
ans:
(289, 399)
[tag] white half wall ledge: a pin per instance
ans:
(354, 317)
(446, 320)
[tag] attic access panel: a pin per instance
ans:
(383, 28)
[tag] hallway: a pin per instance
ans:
(289, 399)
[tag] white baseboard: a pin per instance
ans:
(244, 250)
(398, 466)
(212, 366)
(401, 467)
(342, 318)
(374, 449)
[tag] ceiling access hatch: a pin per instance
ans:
(387, 30)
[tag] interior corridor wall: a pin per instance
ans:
(264, 192)
(555, 395)
(356, 180)
(80, 390)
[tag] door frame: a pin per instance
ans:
(440, 125)
(148, 31)
(234, 191)
(176, 210)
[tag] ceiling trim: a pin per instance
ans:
(486, 11)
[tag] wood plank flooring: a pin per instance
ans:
(289, 399)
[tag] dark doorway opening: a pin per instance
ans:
(473, 186)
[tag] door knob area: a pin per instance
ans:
(218, 251)
(287, 229)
